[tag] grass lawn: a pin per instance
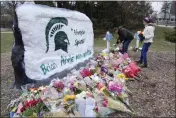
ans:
(6, 42)
(159, 42)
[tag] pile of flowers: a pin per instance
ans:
(95, 90)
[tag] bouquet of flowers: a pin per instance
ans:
(95, 90)
(116, 105)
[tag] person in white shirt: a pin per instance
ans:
(138, 41)
(147, 36)
(108, 37)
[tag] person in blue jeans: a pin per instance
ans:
(147, 37)
(125, 37)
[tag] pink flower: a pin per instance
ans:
(105, 103)
(99, 86)
(125, 56)
(112, 86)
(58, 84)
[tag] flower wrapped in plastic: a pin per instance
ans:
(125, 56)
(69, 97)
(103, 111)
(135, 68)
(115, 87)
(119, 61)
(80, 85)
(58, 84)
(104, 69)
(116, 105)
(93, 62)
(128, 72)
(122, 66)
(111, 55)
(100, 85)
(105, 55)
(50, 98)
(71, 86)
(96, 78)
(99, 58)
(76, 73)
(86, 104)
(128, 60)
(131, 70)
(85, 72)
(89, 82)
(30, 104)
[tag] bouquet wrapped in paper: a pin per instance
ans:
(116, 105)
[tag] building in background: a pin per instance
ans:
(168, 17)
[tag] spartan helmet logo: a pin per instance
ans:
(53, 31)
(61, 41)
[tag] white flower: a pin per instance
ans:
(82, 94)
(96, 78)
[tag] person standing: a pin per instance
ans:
(125, 37)
(138, 41)
(147, 36)
(108, 37)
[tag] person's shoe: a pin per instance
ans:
(139, 62)
(143, 66)
(135, 49)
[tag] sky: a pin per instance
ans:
(157, 6)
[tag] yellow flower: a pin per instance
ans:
(102, 89)
(122, 76)
(69, 97)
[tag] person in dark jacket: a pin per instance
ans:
(125, 37)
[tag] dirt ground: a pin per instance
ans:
(153, 95)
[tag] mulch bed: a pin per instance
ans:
(153, 95)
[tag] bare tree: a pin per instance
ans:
(165, 9)
(173, 7)
(8, 7)
(8, 12)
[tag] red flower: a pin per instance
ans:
(85, 72)
(96, 108)
(30, 104)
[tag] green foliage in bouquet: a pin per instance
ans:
(35, 110)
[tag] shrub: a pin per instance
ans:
(171, 36)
